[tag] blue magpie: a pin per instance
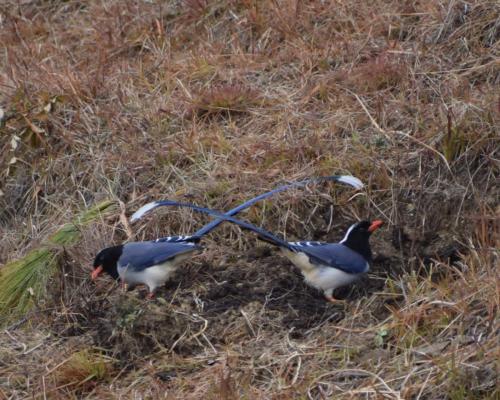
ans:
(325, 266)
(153, 262)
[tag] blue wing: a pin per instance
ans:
(141, 255)
(334, 255)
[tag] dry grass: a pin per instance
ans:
(213, 103)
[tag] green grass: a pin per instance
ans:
(24, 282)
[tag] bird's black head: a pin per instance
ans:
(358, 235)
(106, 260)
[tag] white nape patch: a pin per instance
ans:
(351, 180)
(143, 210)
(348, 233)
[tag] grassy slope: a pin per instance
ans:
(214, 102)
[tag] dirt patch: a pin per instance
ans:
(277, 286)
(232, 299)
(216, 305)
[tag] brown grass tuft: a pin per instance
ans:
(225, 100)
(213, 103)
(82, 371)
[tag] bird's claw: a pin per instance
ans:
(333, 300)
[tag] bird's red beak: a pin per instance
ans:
(375, 225)
(96, 272)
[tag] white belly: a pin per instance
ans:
(154, 276)
(328, 278)
(320, 276)
(300, 260)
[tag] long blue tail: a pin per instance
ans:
(264, 235)
(347, 179)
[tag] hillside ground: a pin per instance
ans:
(214, 102)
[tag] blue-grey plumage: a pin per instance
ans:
(133, 268)
(334, 254)
(325, 266)
(142, 255)
(152, 263)
(328, 266)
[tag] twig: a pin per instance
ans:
(372, 120)
(427, 147)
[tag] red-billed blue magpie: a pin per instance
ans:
(153, 262)
(325, 266)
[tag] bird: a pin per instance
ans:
(153, 262)
(150, 263)
(325, 266)
(328, 266)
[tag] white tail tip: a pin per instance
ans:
(143, 210)
(352, 181)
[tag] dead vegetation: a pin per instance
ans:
(214, 102)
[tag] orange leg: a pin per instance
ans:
(331, 299)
